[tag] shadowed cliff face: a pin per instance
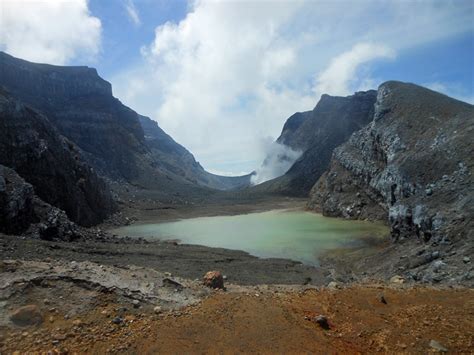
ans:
(31, 146)
(412, 165)
(316, 133)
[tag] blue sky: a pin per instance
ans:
(222, 76)
(122, 38)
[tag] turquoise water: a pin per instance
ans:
(296, 235)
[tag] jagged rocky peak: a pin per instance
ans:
(315, 134)
(412, 165)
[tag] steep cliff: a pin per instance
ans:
(316, 133)
(53, 165)
(412, 165)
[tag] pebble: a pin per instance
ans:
(466, 259)
(117, 320)
(382, 299)
(136, 303)
(157, 309)
(437, 265)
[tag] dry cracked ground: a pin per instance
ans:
(88, 308)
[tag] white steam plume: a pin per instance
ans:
(279, 158)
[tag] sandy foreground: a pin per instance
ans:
(90, 308)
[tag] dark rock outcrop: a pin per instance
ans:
(16, 202)
(412, 166)
(53, 165)
(316, 133)
(22, 212)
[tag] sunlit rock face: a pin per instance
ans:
(412, 165)
(315, 134)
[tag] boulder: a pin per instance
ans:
(214, 279)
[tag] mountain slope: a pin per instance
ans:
(316, 133)
(170, 156)
(412, 165)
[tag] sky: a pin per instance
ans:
(222, 77)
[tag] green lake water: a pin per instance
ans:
(296, 235)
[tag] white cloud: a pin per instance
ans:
(231, 72)
(52, 31)
(341, 74)
(132, 12)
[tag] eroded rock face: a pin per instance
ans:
(316, 133)
(54, 166)
(412, 165)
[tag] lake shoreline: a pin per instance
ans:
(287, 233)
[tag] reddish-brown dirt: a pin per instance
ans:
(272, 322)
